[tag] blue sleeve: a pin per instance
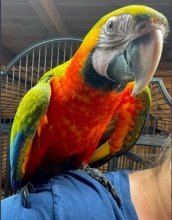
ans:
(73, 196)
(40, 205)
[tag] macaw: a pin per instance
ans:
(93, 106)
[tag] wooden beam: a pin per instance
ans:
(164, 66)
(3, 67)
(161, 73)
(47, 12)
(6, 55)
(166, 57)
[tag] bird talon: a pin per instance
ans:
(97, 175)
(83, 167)
(25, 191)
(30, 187)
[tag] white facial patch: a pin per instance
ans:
(101, 60)
(114, 38)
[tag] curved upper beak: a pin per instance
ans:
(139, 61)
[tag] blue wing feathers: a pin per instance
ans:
(14, 154)
(14, 184)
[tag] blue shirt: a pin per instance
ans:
(73, 195)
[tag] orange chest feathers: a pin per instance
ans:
(77, 116)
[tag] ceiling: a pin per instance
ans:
(24, 22)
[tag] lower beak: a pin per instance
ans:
(139, 61)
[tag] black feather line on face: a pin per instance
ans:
(141, 18)
(97, 81)
(121, 34)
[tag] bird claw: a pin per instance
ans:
(25, 191)
(96, 174)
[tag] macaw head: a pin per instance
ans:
(126, 46)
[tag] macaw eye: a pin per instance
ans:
(109, 26)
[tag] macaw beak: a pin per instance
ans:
(138, 62)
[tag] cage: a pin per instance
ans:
(24, 71)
